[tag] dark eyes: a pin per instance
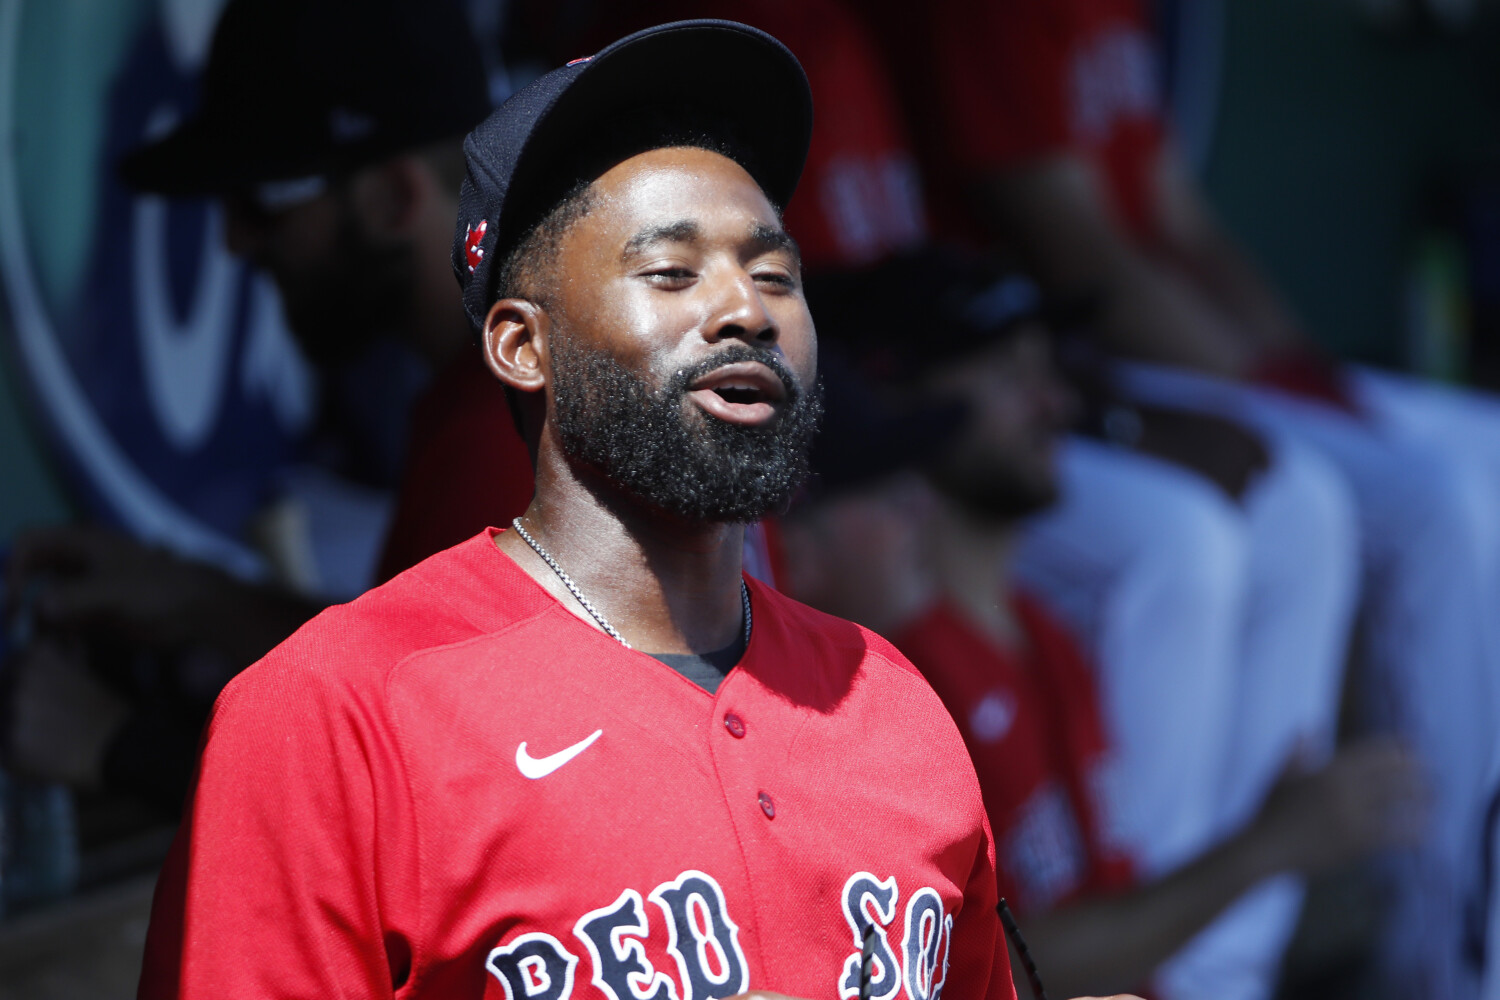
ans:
(671, 276)
(777, 278)
(681, 277)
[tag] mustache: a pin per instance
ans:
(734, 354)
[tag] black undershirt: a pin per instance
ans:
(707, 670)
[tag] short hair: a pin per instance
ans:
(523, 271)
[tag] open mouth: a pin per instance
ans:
(740, 393)
(746, 392)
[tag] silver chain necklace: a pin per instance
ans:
(567, 581)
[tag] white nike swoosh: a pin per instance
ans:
(540, 767)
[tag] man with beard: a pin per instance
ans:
(1023, 694)
(589, 754)
(337, 167)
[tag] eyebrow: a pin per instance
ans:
(682, 231)
(687, 231)
(771, 238)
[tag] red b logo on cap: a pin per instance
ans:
(472, 251)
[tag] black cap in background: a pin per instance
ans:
(869, 433)
(299, 88)
(908, 314)
(719, 79)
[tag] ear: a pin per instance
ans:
(388, 197)
(515, 338)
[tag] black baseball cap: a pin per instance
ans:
(869, 433)
(303, 88)
(727, 82)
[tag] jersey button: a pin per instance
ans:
(767, 806)
(735, 725)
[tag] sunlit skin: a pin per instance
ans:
(681, 256)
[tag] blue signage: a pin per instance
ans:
(159, 364)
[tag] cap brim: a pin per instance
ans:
(188, 161)
(200, 159)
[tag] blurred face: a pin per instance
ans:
(1004, 464)
(340, 289)
(682, 355)
(861, 555)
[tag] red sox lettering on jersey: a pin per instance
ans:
(695, 928)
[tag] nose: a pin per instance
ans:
(740, 312)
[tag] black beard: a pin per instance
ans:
(674, 458)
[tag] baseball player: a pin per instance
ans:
(330, 135)
(587, 755)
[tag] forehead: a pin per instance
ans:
(677, 183)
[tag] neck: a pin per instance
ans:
(971, 556)
(665, 586)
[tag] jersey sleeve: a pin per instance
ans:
(978, 960)
(987, 56)
(275, 887)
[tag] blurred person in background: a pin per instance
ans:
(937, 582)
(331, 133)
(1221, 610)
(1050, 138)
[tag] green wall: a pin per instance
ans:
(30, 492)
(1329, 134)
(73, 46)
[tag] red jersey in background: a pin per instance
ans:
(860, 197)
(1030, 718)
(993, 84)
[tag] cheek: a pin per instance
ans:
(635, 324)
(799, 343)
(306, 236)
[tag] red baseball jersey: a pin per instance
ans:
(860, 197)
(996, 83)
(453, 787)
(1031, 720)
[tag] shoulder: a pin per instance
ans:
(864, 697)
(346, 652)
(845, 667)
(817, 630)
